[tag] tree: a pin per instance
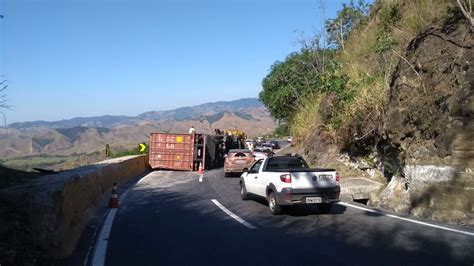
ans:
(291, 81)
(347, 18)
(302, 76)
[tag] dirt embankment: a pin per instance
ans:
(425, 148)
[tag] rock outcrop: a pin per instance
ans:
(429, 121)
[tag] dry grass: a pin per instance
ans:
(369, 70)
(371, 55)
(306, 117)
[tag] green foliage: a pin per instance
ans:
(134, 151)
(342, 91)
(287, 83)
(305, 117)
(42, 161)
(302, 75)
(282, 130)
(334, 80)
(384, 42)
(126, 153)
(389, 16)
(350, 16)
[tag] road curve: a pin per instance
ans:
(170, 218)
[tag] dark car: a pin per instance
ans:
(275, 144)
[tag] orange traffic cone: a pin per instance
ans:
(113, 202)
(201, 169)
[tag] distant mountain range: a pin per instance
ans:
(90, 134)
(240, 107)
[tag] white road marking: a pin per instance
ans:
(408, 220)
(102, 241)
(143, 179)
(91, 246)
(100, 249)
(200, 178)
(231, 214)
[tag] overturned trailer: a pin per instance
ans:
(186, 152)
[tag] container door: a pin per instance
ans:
(171, 151)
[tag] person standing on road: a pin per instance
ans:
(250, 146)
(192, 130)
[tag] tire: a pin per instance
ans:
(275, 208)
(226, 174)
(324, 207)
(243, 192)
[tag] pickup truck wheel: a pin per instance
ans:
(324, 207)
(243, 192)
(275, 208)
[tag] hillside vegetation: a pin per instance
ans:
(387, 90)
(342, 90)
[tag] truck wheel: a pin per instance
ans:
(275, 208)
(243, 192)
(324, 207)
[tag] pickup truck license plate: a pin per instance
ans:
(326, 178)
(313, 200)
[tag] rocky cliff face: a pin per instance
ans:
(425, 147)
(429, 123)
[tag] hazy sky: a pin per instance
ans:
(69, 58)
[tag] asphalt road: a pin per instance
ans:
(169, 218)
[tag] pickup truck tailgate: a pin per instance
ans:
(320, 178)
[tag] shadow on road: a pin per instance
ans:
(179, 225)
(233, 175)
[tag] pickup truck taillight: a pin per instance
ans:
(286, 178)
(337, 178)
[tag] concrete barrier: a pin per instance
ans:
(59, 205)
(358, 188)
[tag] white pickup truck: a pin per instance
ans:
(288, 180)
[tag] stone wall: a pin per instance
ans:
(58, 206)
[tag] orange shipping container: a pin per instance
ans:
(172, 151)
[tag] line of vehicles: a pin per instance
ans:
(237, 160)
(283, 180)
